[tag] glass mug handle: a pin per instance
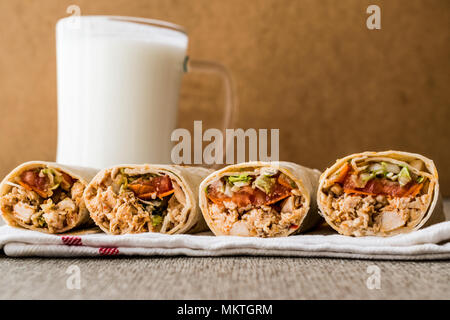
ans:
(230, 92)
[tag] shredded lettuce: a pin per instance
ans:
(265, 183)
(46, 171)
(404, 177)
(54, 177)
(378, 169)
(41, 221)
(123, 180)
(383, 169)
(391, 167)
(156, 220)
(268, 171)
(237, 181)
(366, 177)
(239, 178)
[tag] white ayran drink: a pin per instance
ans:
(118, 89)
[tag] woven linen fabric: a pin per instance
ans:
(425, 244)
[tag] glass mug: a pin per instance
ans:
(118, 87)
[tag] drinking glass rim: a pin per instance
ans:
(137, 20)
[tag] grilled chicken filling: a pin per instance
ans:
(255, 202)
(375, 197)
(44, 198)
(129, 202)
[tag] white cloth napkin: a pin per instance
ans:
(425, 244)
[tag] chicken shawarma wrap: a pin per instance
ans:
(380, 194)
(260, 199)
(146, 198)
(46, 197)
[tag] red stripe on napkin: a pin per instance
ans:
(108, 251)
(71, 241)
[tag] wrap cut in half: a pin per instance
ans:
(146, 198)
(260, 199)
(46, 197)
(380, 194)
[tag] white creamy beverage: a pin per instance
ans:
(118, 88)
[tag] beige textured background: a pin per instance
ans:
(310, 68)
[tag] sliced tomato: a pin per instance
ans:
(67, 182)
(382, 186)
(249, 196)
(278, 192)
(160, 186)
(31, 180)
(33, 188)
(245, 197)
